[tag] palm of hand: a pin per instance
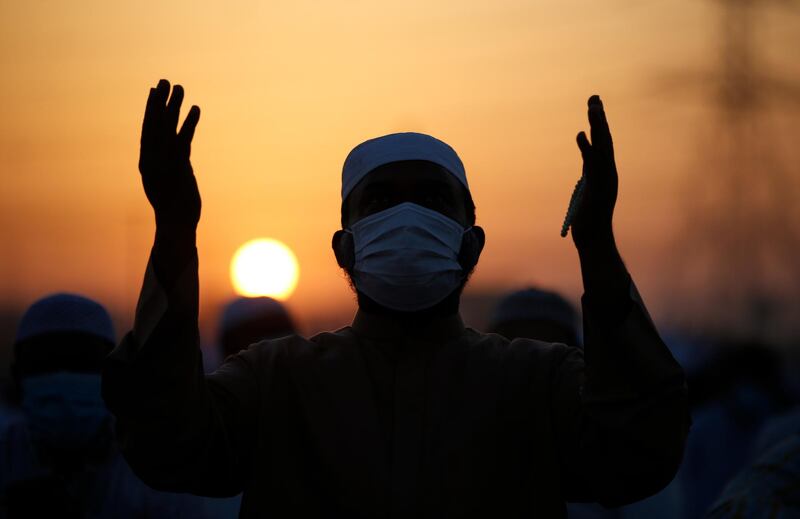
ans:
(164, 158)
(593, 217)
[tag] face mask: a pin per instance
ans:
(65, 410)
(406, 257)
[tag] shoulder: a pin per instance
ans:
(521, 348)
(295, 348)
(530, 359)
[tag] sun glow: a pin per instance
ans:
(264, 267)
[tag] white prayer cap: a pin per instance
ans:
(65, 313)
(398, 147)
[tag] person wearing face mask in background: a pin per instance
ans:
(405, 413)
(58, 457)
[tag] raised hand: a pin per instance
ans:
(167, 174)
(592, 222)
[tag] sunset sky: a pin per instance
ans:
(287, 88)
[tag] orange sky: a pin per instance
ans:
(287, 88)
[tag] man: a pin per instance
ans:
(770, 486)
(732, 398)
(247, 320)
(536, 314)
(406, 413)
(58, 457)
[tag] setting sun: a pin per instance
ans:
(264, 267)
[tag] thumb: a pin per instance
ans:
(587, 152)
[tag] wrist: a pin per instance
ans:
(175, 240)
(596, 242)
(174, 248)
(602, 269)
(172, 227)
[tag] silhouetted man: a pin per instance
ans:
(58, 457)
(405, 413)
(536, 314)
(247, 320)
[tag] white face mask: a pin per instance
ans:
(65, 410)
(406, 257)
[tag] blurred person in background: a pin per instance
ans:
(770, 485)
(58, 457)
(736, 392)
(405, 413)
(777, 429)
(533, 313)
(248, 320)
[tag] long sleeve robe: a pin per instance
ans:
(383, 420)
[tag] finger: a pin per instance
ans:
(187, 129)
(162, 92)
(601, 135)
(147, 123)
(584, 146)
(156, 118)
(173, 108)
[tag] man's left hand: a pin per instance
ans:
(592, 224)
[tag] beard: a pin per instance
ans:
(448, 306)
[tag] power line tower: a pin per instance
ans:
(740, 246)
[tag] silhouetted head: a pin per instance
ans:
(536, 314)
(62, 332)
(408, 240)
(59, 349)
(248, 320)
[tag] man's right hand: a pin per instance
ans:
(164, 163)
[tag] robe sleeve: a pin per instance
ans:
(620, 409)
(179, 430)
